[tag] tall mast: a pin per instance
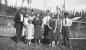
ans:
(44, 4)
(0, 1)
(5, 2)
(64, 5)
(16, 4)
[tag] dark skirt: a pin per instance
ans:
(50, 34)
(54, 36)
(46, 29)
(57, 35)
(38, 32)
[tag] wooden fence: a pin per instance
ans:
(7, 26)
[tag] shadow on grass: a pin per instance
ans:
(14, 38)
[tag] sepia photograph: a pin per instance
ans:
(42, 25)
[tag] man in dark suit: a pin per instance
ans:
(19, 24)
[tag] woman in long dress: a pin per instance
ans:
(57, 31)
(50, 34)
(54, 35)
(28, 29)
(37, 25)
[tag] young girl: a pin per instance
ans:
(28, 30)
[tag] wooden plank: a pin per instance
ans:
(79, 22)
(7, 16)
(78, 38)
(7, 31)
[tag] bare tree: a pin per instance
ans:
(29, 1)
(6, 2)
(0, 1)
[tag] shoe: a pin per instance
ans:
(63, 46)
(50, 45)
(53, 45)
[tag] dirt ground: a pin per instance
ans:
(7, 43)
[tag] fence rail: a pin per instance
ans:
(7, 16)
(7, 26)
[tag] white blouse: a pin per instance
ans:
(46, 20)
(26, 21)
(66, 22)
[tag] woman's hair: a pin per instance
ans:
(47, 11)
(26, 15)
(29, 21)
(66, 13)
(37, 14)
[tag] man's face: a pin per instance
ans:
(48, 13)
(32, 13)
(38, 15)
(22, 11)
(52, 15)
(27, 15)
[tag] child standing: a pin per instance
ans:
(28, 29)
(29, 32)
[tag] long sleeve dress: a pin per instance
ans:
(50, 34)
(54, 36)
(37, 27)
(28, 29)
(57, 34)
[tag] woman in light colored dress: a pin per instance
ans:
(29, 32)
(28, 29)
(26, 18)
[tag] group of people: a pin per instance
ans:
(54, 28)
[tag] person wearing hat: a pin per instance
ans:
(66, 22)
(19, 17)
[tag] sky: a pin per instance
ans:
(50, 4)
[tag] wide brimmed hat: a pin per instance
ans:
(47, 10)
(66, 13)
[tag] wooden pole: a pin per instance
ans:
(0, 1)
(5, 2)
(64, 5)
(16, 3)
(44, 4)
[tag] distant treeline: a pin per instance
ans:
(78, 14)
(5, 10)
(11, 11)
